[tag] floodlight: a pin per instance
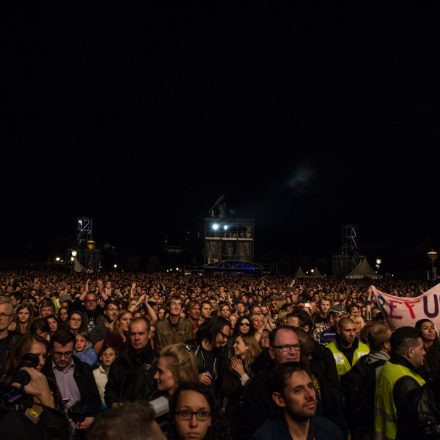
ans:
(215, 226)
(74, 253)
(72, 259)
(58, 259)
(225, 227)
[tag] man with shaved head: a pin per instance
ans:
(347, 349)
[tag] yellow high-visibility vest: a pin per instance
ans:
(385, 413)
(342, 364)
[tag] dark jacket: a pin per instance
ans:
(83, 375)
(418, 414)
(319, 429)
(323, 367)
(52, 425)
(131, 376)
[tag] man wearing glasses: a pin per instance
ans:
(258, 404)
(74, 379)
(7, 339)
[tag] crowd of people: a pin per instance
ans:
(149, 356)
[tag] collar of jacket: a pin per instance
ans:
(400, 360)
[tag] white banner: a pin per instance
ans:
(407, 311)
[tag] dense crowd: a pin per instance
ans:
(149, 356)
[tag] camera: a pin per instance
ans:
(19, 376)
(13, 395)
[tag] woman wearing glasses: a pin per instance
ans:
(195, 415)
(243, 326)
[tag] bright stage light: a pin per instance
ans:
(58, 259)
(74, 253)
(225, 227)
(215, 226)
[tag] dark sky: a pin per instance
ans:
(306, 117)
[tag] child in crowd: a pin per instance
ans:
(108, 356)
(84, 350)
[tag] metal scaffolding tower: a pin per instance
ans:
(347, 260)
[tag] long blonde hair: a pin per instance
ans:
(182, 363)
(252, 352)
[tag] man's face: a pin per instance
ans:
(195, 311)
(6, 315)
(175, 307)
(222, 337)
(286, 347)
(299, 396)
(324, 306)
(354, 311)
(111, 312)
(206, 311)
(62, 354)
(139, 335)
(347, 333)
(46, 311)
(417, 354)
(91, 302)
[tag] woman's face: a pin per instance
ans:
(53, 324)
(264, 341)
(63, 314)
(125, 322)
(257, 322)
(358, 325)
(164, 377)
(75, 321)
(39, 349)
(240, 347)
(23, 316)
(225, 311)
(428, 331)
(108, 356)
(161, 313)
(188, 425)
(245, 326)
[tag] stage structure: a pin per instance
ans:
(228, 239)
(346, 261)
(88, 257)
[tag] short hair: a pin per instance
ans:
(344, 321)
(274, 332)
(6, 300)
(404, 338)
(113, 424)
(281, 374)
(141, 319)
(182, 363)
(46, 303)
(378, 335)
(63, 337)
(175, 297)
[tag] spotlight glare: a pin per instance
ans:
(225, 227)
(215, 226)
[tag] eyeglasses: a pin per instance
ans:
(59, 354)
(201, 414)
(287, 347)
(224, 335)
(245, 323)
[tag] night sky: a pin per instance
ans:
(307, 118)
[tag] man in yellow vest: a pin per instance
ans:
(347, 349)
(398, 376)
